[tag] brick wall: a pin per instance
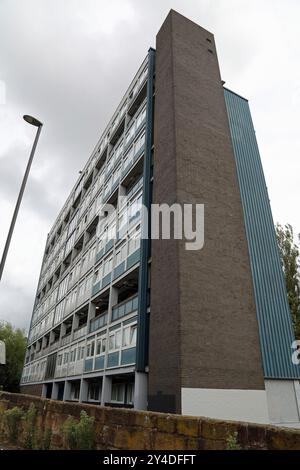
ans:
(133, 430)
(35, 389)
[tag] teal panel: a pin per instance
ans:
(108, 246)
(125, 308)
(113, 359)
(133, 258)
(99, 255)
(128, 356)
(273, 314)
(106, 280)
(88, 365)
(96, 288)
(99, 362)
(119, 270)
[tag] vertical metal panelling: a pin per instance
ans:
(272, 309)
(143, 321)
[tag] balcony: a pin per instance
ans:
(98, 322)
(82, 331)
(66, 339)
(125, 308)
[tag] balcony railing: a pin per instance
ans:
(125, 308)
(82, 331)
(98, 322)
(66, 339)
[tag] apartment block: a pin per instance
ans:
(123, 320)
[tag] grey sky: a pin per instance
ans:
(69, 62)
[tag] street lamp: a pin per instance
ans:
(34, 122)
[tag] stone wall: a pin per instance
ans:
(125, 429)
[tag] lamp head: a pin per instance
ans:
(31, 120)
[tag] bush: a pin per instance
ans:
(46, 439)
(232, 443)
(80, 434)
(30, 427)
(85, 432)
(69, 433)
(13, 418)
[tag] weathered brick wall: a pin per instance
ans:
(35, 389)
(129, 429)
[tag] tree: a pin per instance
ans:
(15, 342)
(289, 253)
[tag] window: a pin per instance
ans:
(129, 394)
(90, 349)
(129, 134)
(128, 157)
(75, 390)
(120, 254)
(115, 340)
(116, 174)
(94, 391)
(81, 289)
(66, 358)
(129, 336)
(117, 393)
(107, 266)
(139, 143)
(141, 117)
(134, 241)
(109, 165)
(73, 355)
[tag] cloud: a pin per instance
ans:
(69, 62)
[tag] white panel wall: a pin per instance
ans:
(239, 405)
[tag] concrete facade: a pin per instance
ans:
(120, 322)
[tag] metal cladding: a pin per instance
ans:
(272, 309)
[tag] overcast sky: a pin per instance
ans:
(68, 62)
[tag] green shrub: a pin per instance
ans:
(85, 432)
(30, 427)
(13, 418)
(46, 439)
(79, 434)
(232, 443)
(69, 433)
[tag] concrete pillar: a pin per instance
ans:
(67, 391)
(44, 390)
(54, 394)
(106, 390)
(84, 388)
(75, 324)
(140, 399)
(62, 330)
(113, 299)
(52, 336)
(92, 311)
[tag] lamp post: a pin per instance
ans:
(34, 122)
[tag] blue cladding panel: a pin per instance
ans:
(119, 270)
(133, 258)
(99, 362)
(96, 288)
(128, 356)
(113, 359)
(273, 314)
(88, 365)
(106, 280)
